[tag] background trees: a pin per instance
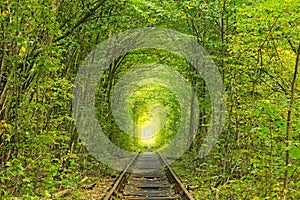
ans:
(254, 43)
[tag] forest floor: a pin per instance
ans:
(93, 188)
(98, 191)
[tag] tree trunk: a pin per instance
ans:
(288, 126)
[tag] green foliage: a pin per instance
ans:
(148, 96)
(249, 160)
(42, 44)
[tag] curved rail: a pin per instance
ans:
(120, 179)
(173, 177)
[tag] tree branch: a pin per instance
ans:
(81, 21)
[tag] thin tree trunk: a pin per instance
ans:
(223, 37)
(288, 126)
(192, 113)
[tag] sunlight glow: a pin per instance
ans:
(147, 135)
(150, 124)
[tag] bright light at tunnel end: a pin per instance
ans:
(104, 54)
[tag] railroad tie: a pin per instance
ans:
(148, 181)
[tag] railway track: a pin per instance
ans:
(153, 179)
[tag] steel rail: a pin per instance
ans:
(180, 187)
(120, 180)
